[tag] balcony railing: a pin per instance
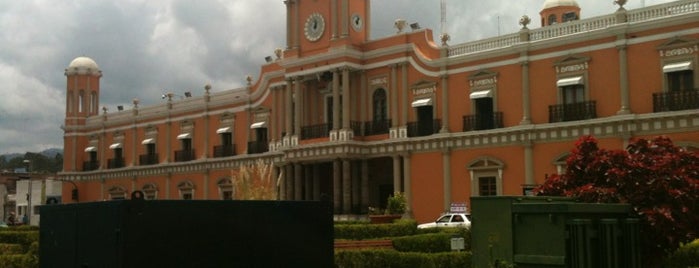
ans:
(572, 111)
(115, 163)
(419, 129)
(184, 155)
(377, 127)
(257, 147)
(91, 165)
(315, 131)
(482, 121)
(356, 127)
(148, 159)
(675, 101)
(224, 150)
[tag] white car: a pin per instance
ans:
(449, 220)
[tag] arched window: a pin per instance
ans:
(486, 176)
(552, 19)
(225, 189)
(81, 99)
(379, 105)
(186, 189)
(93, 103)
(150, 191)
(117, 193)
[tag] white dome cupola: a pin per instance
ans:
(83, 66)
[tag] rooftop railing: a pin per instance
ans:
(579, 26)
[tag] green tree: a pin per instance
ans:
(660, 181)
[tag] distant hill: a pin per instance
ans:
(49, 153)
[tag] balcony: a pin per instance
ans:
(184, 155)
(419, 129)
(572, 111)
(224, 150)
(675, 101)
(257, 147)
(148, 159)
(91, 165)
(315, 131)
(377, 127)
(356, 127)
(115, 163)
(482, 121)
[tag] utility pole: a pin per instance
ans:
(29, 211)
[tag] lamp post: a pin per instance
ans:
(28, 213)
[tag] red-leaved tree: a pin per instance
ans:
(660, 181)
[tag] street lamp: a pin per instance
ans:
(28, 213)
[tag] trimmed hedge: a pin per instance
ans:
(374, 231)
(24, 238)
(431, 242)
(18, 260)
(685, 256)
(395, 259)
(7, 249)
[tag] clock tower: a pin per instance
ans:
(313, 26)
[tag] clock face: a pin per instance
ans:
(357, 22)
(315, 25)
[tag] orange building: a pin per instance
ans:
(355, 119)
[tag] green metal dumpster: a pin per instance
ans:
(552, 232)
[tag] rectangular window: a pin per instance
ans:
(487, 186)
(573, 94)
(187, 196)
(680, 81)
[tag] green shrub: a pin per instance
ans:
(391, 258)
(432, 240)
(6, 249)
(18, 260)
(373, 231)
(685, 256)
(24, 238)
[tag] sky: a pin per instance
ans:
(148, 47)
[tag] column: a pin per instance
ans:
(363, 102)
(168, 140)
(289, 181)
(394, 97)
(308, 181)
(345, 18)
(445, 104)
(298, 182)
(526, 117)
(346, 96)
(404, 93)
(623, 80)
(396, 174)
(316, 183)
(288, 24)
(288, 104)
(528, 163)
(273, 117)
(408, 186)
(364, 204)
(337, 186)
(446, 169)
(334, 18)
(297, 28)
(298, 107)
(356, 186)
(346, 187)
(336, 100)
